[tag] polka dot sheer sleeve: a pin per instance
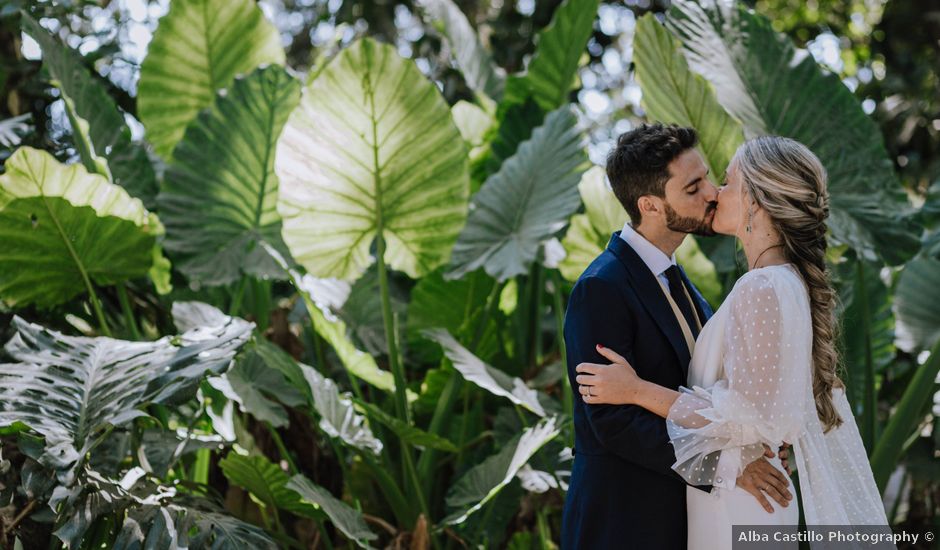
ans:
(718, 431)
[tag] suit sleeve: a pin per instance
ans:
(597, 315)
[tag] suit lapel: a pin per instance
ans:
(651, 295)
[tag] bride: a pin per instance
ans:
(763, 371)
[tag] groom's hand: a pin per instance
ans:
(784, 453)
(761, 477)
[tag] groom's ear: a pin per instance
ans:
(649, 205)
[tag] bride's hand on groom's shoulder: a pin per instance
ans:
(612, 384)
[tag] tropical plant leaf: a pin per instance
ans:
(371, 147)
(405, 431)
(525, 203)
(456, 305)
(90, 106)
(590, 232)
(175, 527)
(484, 481)
(559, 48)
(69, 388)
(219, 195)
(867, 326)
(673, 94)
(259, 388)
(917, 294)
(53, 221)
(916, 299)
(472, 122)
(197, 49)
(338, 418)
(761, 79)
(333, 330)
(265, 481)
(490, 379)
(320, 296)
(346, 518)
(479, 70)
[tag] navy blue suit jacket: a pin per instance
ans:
(623, 491)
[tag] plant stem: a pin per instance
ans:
(401, 401)
(129, 320)
(281, 448)
(868, 414)
(236, 303)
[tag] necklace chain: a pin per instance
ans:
(762, 253)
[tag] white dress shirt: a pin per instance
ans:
(654, 258)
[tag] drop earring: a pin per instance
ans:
(747, 228)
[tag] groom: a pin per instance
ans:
(634, 299)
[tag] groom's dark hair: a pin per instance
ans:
(639, 164)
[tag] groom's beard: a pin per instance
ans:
(694, 226)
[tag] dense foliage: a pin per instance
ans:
(324, 308)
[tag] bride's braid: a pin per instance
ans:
(787, 180)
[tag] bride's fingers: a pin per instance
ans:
(612, 355)
(589, 368)
(587, 379)
(774, 493)
(768, 452)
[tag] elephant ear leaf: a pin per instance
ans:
(219, 197)
(525, 203)
(198, 48)
(371, 148)
(588, 233)
(99, 127)
(69, 388)
(63, 215)
(346, 518)
(483, 482)
(750, 65)
(481, 74)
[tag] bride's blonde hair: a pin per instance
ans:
(787, 180)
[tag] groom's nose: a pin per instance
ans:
(711, 193)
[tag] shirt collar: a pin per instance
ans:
(654, 258)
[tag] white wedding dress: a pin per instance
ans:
(751, 374)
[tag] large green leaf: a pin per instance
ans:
(260, 389)
(372, 147)
(198, 48)
(761, 79)
(478, 68)
(590, 232)
(456, 305)
(525, 203)
(338, 417)
(489, 378)
(265, 481)
(325, 322)
(173, 526)
(867, 328)
(916, 300)
(64, 228)
(484, 481)
(560, 45)
(87, 100)
(674, 94)
(69, 388)
(918, 293)
(346, 518)
(406, 432)
(219, 196)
